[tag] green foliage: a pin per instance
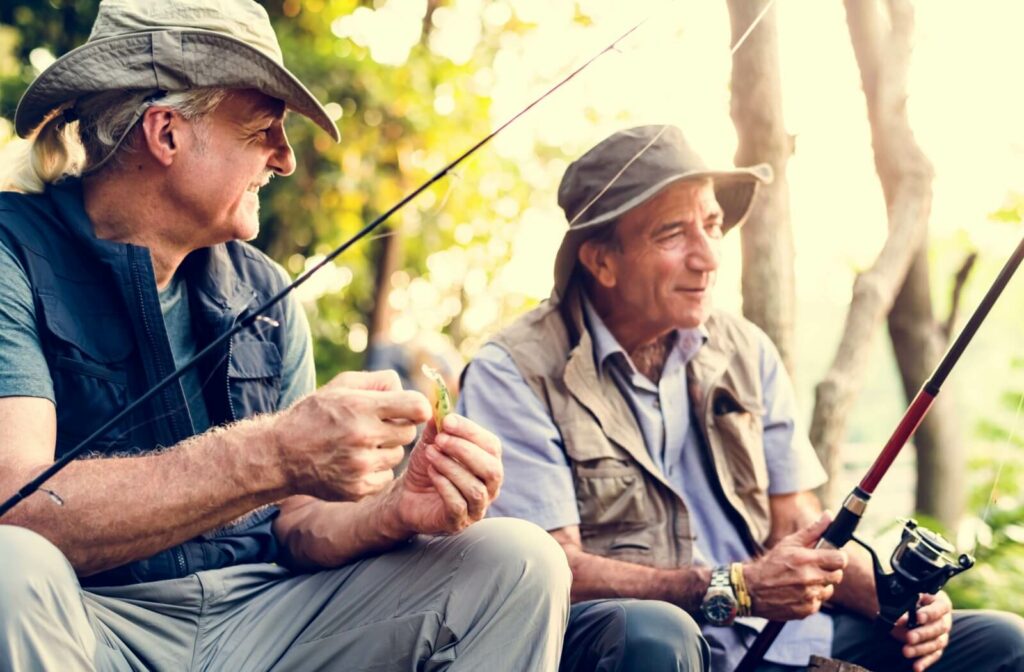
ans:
(996, 530)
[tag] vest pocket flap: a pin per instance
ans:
(253, 360)
(585, 441)
(102, 336)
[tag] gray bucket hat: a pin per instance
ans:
(629, 168)
(171, 45)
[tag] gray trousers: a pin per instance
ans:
(495, 598)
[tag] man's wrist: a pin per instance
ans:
(739, 586)
(720, 605)
(392, 523)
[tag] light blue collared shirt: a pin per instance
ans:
(538, 482)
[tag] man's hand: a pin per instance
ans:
(342, 441)
(793, 579)
(928, 640)
(451, 479)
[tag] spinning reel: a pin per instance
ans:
(922, 563)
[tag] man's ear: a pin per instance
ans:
(599, 261)
(162, 132)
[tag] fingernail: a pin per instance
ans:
(451, 422)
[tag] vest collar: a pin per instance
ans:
(603, 400)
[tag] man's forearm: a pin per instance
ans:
(596, 577)
(317, 534)
(117, 510)
(857, 591)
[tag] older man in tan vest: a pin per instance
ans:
(656, 439)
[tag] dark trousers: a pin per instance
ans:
(981, 641)
(651, 636)
(621, 635)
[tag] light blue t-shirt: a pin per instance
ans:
(538, 482)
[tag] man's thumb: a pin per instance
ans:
(809, 535)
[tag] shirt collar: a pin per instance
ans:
(687, 341)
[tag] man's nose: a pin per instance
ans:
(282, 161)
(704, 255)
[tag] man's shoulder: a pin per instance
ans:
(251, 261)
(21, 214)
(532, 328)
(724, 325)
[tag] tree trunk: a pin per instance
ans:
(918, 339)
(883, 56)
(767, 238)
(388, 260)
(919, 342)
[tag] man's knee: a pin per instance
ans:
(993, 636)
(511, 551)
(660, 631)
(632, 634)
(29, 566)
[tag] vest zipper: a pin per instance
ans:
(161, 370)
(227, 369)
(179, 554)
(232, 416)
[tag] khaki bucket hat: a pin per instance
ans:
(629, 168)
(171, 45)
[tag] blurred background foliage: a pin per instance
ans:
(412, 84)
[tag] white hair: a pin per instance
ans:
(92, 133)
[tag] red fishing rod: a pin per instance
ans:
(923, 561)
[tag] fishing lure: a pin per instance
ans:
(443, 398)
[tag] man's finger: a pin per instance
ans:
(458, 425)
(922, 664)
(454, 504)
(924, 633)
(483, 465)
(926, 647)
(834, 577)
(402, 405)
(831, 560)
(387, 458)
(472, 490)
(381, 381)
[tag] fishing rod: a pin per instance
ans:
(923, 561)
(259, 313)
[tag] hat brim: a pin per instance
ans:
(734, 191)
(207, 59)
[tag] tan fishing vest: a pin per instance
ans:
(627, 509)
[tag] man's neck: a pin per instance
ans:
(649, 359)
(128, 210)
(647, 347)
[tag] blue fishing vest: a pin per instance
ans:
(102, 331)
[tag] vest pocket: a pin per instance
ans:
(610, 495)
(87, 353)
(254, 377)
(741, 439)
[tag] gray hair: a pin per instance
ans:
(92, 134)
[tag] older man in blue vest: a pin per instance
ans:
(656, 439)
(241, 520)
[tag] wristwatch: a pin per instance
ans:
(720, 605)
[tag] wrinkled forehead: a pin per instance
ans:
(683, 201)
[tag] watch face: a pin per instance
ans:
(719, 609)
